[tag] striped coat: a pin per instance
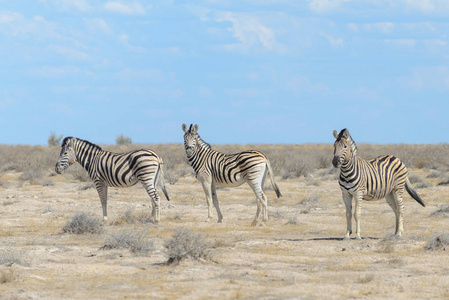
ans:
(115, 170)
(383, 177)
(214, 168)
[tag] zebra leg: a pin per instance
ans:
(216, 203)
(102, 190)
(357, 214)
(155, 200)
(392, 202)
(262, 203)
(400, 211)
(207, 187)
(347, 199)
(254, 223)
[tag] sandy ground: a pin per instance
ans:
(298, 254)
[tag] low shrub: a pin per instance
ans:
(83, 223)
(438, 242)
(186, 244)
(9, 257)
(136, 242)
(442, 210)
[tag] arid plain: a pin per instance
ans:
(299, 253)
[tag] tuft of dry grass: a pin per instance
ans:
(9, 257)
(438, 242)
(83, 223)
(442, 210)
(7, 276)
(136, 242)
(365, 279)
(387, 245)
(186, 244)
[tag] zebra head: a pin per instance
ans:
(67, 156)
(190, 138)
(344, 147)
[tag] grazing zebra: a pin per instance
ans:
(382, 177)
(214, 168)
(116, 170)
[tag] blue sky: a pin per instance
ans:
(247, 71)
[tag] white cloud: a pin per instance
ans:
(383, 27)
(250, 32)
(428, 6)
(47, 71)
(301, 84)
(134, 8)
(145, 75)
(334, 42)
(424, 78)
(81, 5)
(5, 102)
(124, 39)
(70, 52)
(322, 6)
(9, 17)
(408, 43)
(99, 25)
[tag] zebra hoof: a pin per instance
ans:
(254, 223)
(220, 221)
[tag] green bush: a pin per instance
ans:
(54, 140)
(123, 140)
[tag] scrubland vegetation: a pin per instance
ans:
(288, 161)
(53, 240)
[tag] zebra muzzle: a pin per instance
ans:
(58, 169)
(189, 151)
(336, 161)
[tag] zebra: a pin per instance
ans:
(383, 177)
(114, 169)
(214, 168)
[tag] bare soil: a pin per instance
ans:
(298, 254)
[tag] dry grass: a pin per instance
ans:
(136, 242)
(186, 244)
(82, 223)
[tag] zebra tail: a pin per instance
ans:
(273, 182)
(413, 193)
(161, 180)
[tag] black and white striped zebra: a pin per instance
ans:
(214, 168)
(383, 177)
(114, 169)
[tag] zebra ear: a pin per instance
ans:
(195, 128)
(346, 133)
(184, 128)
(335, 134)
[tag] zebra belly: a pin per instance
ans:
(127, 181)
(230, 183)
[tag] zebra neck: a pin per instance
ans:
(199, 158)
(85, 154)
(353, 146)
(203, 144)
(349, 165)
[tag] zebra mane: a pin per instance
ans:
(345, 134)
(67, 139)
